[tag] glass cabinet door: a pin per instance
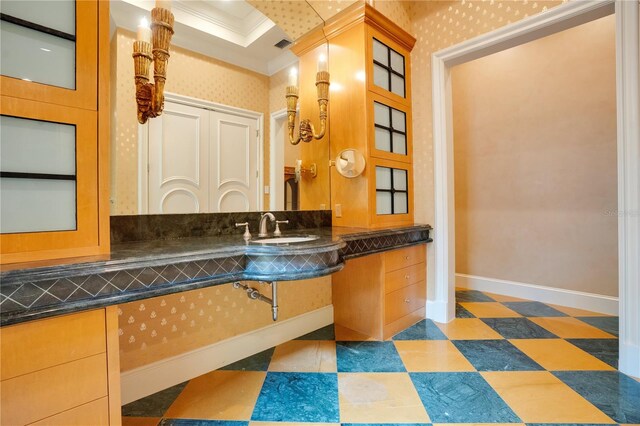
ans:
(388, 68)
(48, 178)
(391, 192)
(48, 51)
(390, 131)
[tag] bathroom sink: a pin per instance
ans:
(286, 240)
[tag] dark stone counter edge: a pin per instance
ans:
(403, 237)
(380, 250)
(62, 271)
(84, 305)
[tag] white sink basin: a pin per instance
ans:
(286, 240)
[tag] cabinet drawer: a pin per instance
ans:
(37, 345)
(396, 280)
(41, 394)
(95, 413)
(404, 301)
(398, 259)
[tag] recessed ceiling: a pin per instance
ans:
(229, 30)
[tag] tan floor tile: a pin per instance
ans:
(575, 312)
(489, 310)
(309, 356)
(291, 424)
(219, 395)
(468, 329)
(140, 421)
(540, 397)
(346, 334)
(431, 355)
(571, 328)
(558, 354)
(503, 298)
(478, 424)
(379, 398)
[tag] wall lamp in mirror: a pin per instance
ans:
(307, 132)
(349, 163)
(301, 171)
(152, 45)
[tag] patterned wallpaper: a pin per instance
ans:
(161, 327)
(328, 8)
(277, 86)
(397, 11)
(436, 25)
(124, 140)
(214, 80)
(295, 17)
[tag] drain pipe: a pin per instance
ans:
(255, 294)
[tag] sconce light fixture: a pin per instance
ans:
(307, 132)
(152, 44)
(300, 171)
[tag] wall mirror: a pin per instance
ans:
(220, 144)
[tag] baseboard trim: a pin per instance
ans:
(438, 311)
(629, 360)
(148, 379)
(573, 299)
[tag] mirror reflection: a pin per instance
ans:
(221, 144)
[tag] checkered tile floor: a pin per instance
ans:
(502, 360)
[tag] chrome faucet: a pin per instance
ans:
(263, 224)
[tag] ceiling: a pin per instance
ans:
(233, 31)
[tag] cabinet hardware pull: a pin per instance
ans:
(406, 258)
(406, 300)
(406, 277)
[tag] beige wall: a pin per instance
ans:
(436, 25)
(397, 11)
(277, 101)
(189, 74)
(535, 162)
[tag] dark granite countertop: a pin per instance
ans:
(162, 252)
(142, 269)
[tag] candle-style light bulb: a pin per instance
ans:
(144, 32)
(322, 63)
(293, 77)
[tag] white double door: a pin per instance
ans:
(202, 161)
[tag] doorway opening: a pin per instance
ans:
(441, 304)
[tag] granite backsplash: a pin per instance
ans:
(173, 226)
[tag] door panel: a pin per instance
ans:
(234, 185)
(178, 160)
(202, 161)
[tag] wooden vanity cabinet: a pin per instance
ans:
(381, 294)
(61, 371)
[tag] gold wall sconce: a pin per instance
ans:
(152, 44)
(307, 132)
(300, 171)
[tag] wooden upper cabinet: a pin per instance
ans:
(54, 112)
(55, 59)
(369, 110)
(389, 64)
(390, 130)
